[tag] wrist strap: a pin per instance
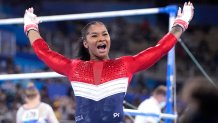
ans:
(178, 25)
(27, 33)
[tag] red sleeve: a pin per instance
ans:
(148, 57)
(55, 61)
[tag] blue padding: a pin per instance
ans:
(171, 9)
(170, 74)
(28, 62)
(56, 90)
(21, 38)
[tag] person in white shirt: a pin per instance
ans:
(35, 111)
(152, 105)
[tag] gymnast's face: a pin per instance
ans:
(97, 42)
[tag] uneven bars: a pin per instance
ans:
(92, 15)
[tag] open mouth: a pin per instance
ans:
(101, 46)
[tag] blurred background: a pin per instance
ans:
(129, 36)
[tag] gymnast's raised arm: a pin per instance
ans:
(54, 60)
(148, 57)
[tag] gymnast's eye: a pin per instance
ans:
(94, 36)
(105, 34)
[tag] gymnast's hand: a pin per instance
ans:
(30, 21)
(184, 16)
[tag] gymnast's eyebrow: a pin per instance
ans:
(92, 33)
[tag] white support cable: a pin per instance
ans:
(197, 63)
(30, 76)
(85, 16)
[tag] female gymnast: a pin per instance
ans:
(35, 111)
(100, 83)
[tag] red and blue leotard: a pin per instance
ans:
(100, 86)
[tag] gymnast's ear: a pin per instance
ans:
(85, 44)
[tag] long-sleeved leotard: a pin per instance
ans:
(100, 86)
